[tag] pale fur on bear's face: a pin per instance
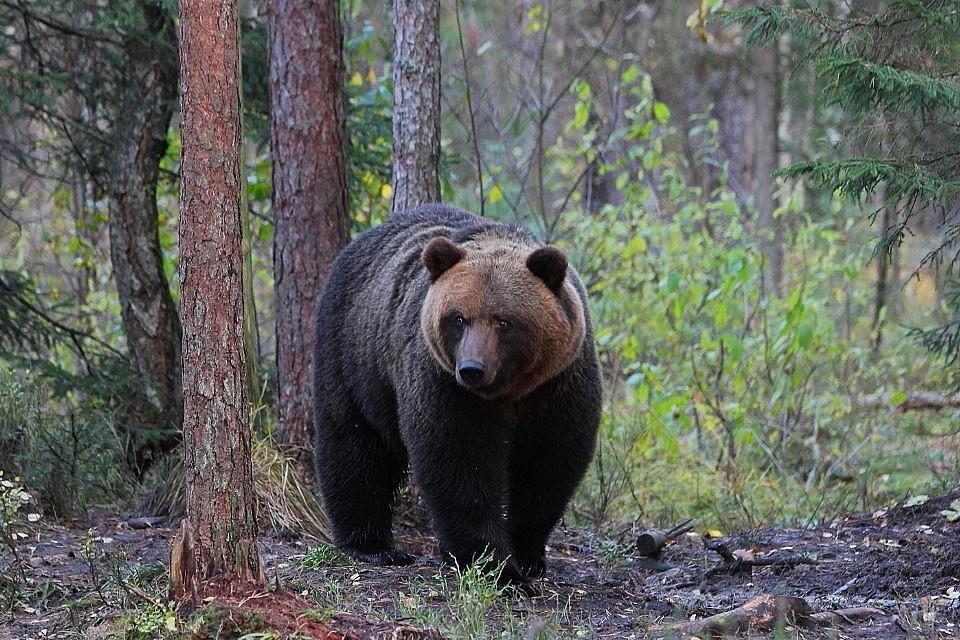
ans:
(500, 315)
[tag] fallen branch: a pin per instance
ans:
(761, 613)
(764, 613)
(845, 616)
(734, 564)
(914, 401)
(652, 541)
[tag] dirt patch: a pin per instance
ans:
(903, 561)
(231, 611)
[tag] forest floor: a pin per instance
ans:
(895, 573)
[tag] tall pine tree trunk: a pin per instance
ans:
(138, 143)
(308, 146)
(766, 122)
(416, 103)
(218, 537)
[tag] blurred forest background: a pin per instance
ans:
(762, 199)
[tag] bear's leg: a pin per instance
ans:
(551, 453)
(459, 456)
(359, 477)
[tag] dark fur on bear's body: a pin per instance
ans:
(495, 474)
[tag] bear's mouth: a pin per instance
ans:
(486, 391)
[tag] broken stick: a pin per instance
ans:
(733, 564)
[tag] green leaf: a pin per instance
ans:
(661, 112)
(580, 114)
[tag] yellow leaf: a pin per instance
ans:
(356, 79)
(715, 533)
(386, 191)
(371, 76)
(496, 195)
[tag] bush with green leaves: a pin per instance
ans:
(890, 69)
(69, 450)
(726, 401)
(13, 531)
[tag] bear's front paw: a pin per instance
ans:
(382, 557)
(532, 567)
(512, 577)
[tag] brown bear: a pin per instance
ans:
(462, 348)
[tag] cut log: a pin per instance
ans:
(652, 541)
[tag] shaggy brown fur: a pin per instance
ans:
(462, 348)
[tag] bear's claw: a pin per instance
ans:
(381, 557)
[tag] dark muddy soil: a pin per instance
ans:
(903, 561)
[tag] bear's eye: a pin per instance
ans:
(503, 324)
(460, 319)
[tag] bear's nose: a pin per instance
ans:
(470, 371)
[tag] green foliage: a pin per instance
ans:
(23, 326)
(945, 338)
(727, 403)
(891, 71)
(150, 622)
(13, 531)
(369, 96)
(72, 454)
(322, 557)
(471, 594)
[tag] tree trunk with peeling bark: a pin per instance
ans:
(416, 103)
(138, 143)
(308, 146)
(218, 537)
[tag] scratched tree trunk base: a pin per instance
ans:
(186, 582)
(218, 537)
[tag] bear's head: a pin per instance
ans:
(501, 316)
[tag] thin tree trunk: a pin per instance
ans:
(416, 103)
(766, 124)
(308, 147)
(886, 271)
(139, 142)
(218, 537)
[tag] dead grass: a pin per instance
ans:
(284, 502)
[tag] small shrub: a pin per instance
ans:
(70, 452)
(151, 622)
(322, 557)
(13, 531)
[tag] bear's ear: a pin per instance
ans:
(550, 265)
(439, 255)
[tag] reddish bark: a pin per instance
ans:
(218, 537)
(416, 103)
(307, 140)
